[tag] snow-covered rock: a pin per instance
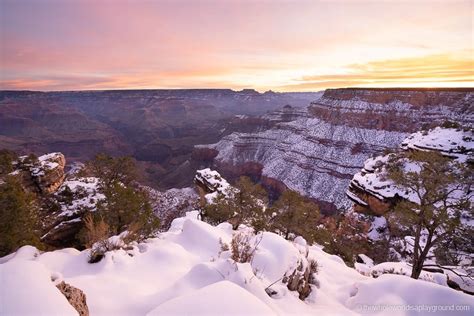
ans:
(172, 203)
(452, 142)
(212, 183)
(371, 190)
(44, 174)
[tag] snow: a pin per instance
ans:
(394, 295)
(452, 142)
(27, 289)
(184, 272)
(213, 300)
(86, 191)
(49, 156)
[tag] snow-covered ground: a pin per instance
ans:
(452, 142)
(184, 272)
(86, 195)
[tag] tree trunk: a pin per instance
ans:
(416, 270)
(418, 264)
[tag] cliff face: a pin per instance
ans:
(395, 110)
(317, 150)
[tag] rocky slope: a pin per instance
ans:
(66, 197)
(317, 150)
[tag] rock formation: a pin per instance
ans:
(210, 181)
(44, 174)
(317, 150)
(75, 297)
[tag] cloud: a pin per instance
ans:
(432, 70)
(258, 44)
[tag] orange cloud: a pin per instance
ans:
(433, 70)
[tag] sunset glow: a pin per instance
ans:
(278, 45)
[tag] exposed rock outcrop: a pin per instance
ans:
(76, 197)
(172, 204)
(210, 181)
(44, 174)
(75, 297)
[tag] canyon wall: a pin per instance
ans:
(317, 150)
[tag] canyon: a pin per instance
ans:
(310, 142)
(316, 150)
(157, 127)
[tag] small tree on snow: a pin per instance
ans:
(245, 204)
(438, 190)
(295, 215)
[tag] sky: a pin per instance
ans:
(279, 45)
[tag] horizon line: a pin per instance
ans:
(460, 88)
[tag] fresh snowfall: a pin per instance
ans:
(185, 272)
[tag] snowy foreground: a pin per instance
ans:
(183, 272)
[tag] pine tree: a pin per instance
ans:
(128, 208)
(112, 170)
(6, 161)
(244, 204)
(250, 201)
(440, 194)
(344, 235)
(295, 216)
(18, 217)
(220, 210)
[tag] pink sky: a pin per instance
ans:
(279, 45)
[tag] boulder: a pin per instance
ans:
(51, 172)
(43, 175)
(75, 297)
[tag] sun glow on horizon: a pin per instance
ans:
(280, 45)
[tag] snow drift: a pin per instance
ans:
(184, 271)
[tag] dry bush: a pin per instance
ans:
(303, 278)
(96, 234)
(223, 245)
(242, 249)
(95, 230)
(133, 233)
